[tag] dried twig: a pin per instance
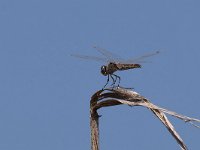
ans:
(118, 96)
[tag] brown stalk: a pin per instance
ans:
(118, 96)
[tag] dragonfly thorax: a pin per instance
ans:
(104, 70)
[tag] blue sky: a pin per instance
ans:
(45, 93)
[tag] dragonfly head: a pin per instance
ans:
(103, 70)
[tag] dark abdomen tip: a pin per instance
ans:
(137, 66)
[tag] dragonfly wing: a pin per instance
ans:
(140, 59)
(90, 58)
(111, 56)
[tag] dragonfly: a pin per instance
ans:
(115, 63)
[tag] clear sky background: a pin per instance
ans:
(45, 93)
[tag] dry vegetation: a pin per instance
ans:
(119, 96)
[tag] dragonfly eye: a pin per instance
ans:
(103, 70)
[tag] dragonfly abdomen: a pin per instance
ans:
(127, 66)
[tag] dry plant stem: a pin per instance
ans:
(118, 96)
(94, 122)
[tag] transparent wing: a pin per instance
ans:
(111, 56)
(90, 58)
(140, 59)
(108, 56)
(116, 58)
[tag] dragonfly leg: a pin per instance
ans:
(106, 82)
(117, 77)
(114, 80)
